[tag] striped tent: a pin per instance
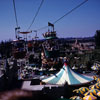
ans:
(69, 76)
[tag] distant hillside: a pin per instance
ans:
(71, 40)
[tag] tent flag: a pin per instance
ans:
(68, 75)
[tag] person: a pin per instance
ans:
(16, 95)
(19, 94)
(67, 90)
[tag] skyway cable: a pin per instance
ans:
(36, 14)
(70, 11)
(65, 14)
(15, 13)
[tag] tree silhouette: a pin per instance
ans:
(97, 38)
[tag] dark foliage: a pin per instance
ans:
(97, 38)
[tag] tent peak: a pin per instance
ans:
(65, 64)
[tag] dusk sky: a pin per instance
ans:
(83, 22)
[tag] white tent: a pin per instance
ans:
(68, 75)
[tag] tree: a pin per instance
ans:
(97, 38)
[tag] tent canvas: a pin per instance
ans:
(66, 74)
